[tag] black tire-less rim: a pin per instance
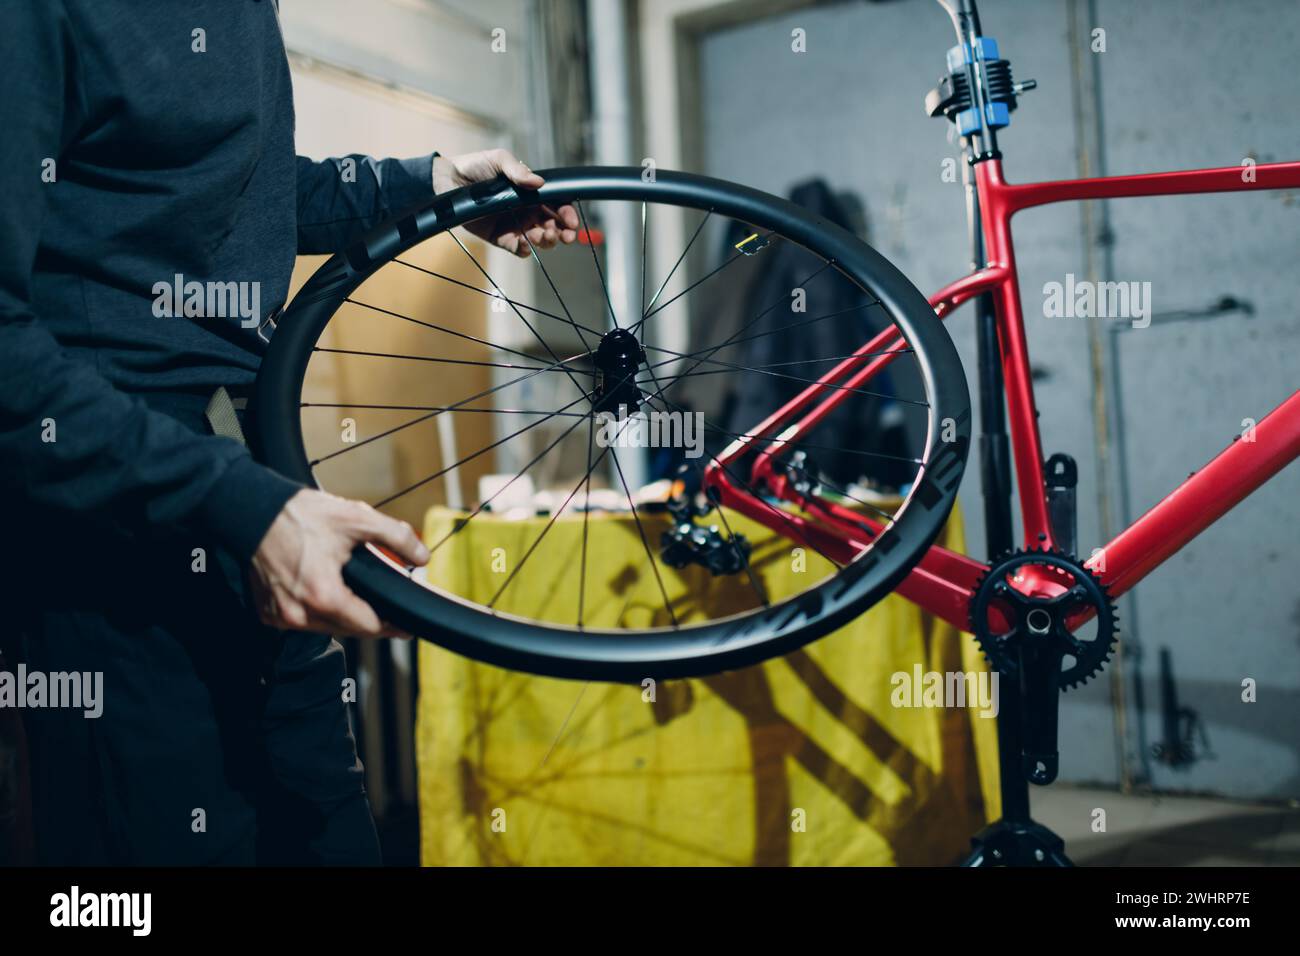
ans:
(627, 655)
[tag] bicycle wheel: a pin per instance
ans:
(475, 367)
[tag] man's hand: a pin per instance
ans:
(539, 226)
(297, 573)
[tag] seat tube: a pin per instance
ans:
(1022, 412)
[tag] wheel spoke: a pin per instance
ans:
(423, 418)
(439, 328)
(590, 416)
(756, 368)
(748, 325)
(786, 328)
(689, 288)
(749, 570)
(559, 298)
(762, 595)
(645, 227)
(644, 541)
(618, 467)
(785, 375)
(596, 259)
(839, 489)
(441, 408)
(786, 516)
(522, 318)
(558, 367)
(802, 445)
(554, 517)
(673, 271)
(490, 294)
(459, 526)
(586, 520)
(484, 450)
(804, 471)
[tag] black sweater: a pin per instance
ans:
(134, 149)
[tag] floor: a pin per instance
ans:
(1140, 830)
(1151, 830)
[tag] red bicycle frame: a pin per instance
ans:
(943, 580)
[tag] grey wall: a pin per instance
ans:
(1184, 83)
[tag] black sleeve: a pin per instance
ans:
(340, 199)
(69, 440)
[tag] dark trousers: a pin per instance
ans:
(220, 741)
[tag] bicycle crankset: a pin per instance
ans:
(1046, 620)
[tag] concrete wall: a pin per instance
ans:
(439, 47)
(1184, 83)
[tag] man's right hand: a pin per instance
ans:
(297, 572)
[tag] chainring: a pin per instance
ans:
(1080, 587)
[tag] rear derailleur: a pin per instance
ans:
(687, 543)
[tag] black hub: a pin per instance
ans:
(617, 360)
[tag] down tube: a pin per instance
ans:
(1202, 499)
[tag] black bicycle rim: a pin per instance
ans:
(589, 653)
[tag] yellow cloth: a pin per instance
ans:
(799, 761)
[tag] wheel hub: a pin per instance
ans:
(617, 358)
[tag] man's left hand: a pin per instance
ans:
(537, 226)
